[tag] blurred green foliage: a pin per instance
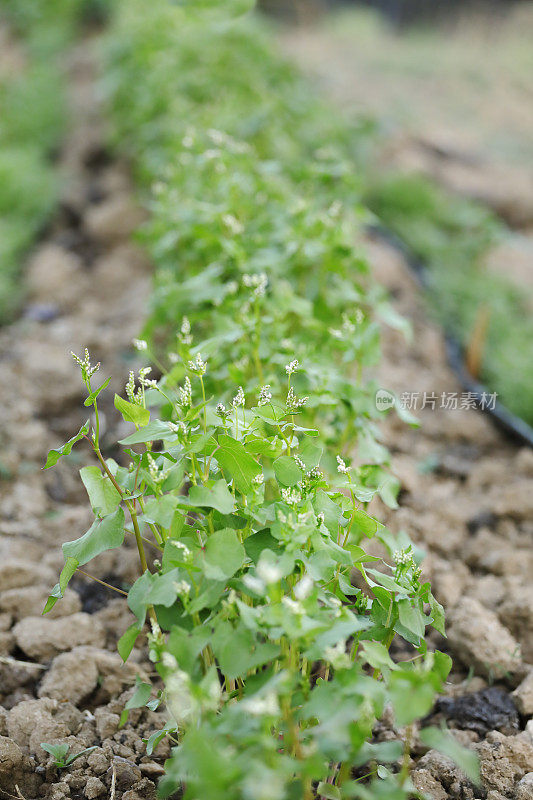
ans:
(33, 116)
(453, 236)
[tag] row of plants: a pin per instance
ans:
(32, 98)
(484, 310)
(254, 450)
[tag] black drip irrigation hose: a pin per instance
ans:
(514, 426)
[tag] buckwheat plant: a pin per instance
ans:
(268, 622)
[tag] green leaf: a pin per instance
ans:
(388, 491)
(257, 542)
(442, 664)
(217, 496)
(71, 565)
(75, 756)
(437, 612)
(132, 412)
(149, 433)
(104, 534)
(367, 524)
(155, 590)
(138, 699)
(328, 791)
(310, 452)
(160, 510)
(224, 554)
(287, 471)
(55, 455)
(412, 695)
(103, 496)
(232, 457)
(58, 751)
(412, 618)
(127, 641)
(445, 743)
(92, 397)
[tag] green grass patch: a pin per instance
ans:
(453, 237)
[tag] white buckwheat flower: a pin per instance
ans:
(320, 517)
(268, 572)
(186, 393)
(221, 410)
(130, 387)
(293, 605)
(303, 588)
(85, 364)
(185, 331)
(262, 706)
(291, 496)
(258, 480)
(292, 366)
(239, 398)
(300, 463)
(198, 366)
(187, 555)
(182, 587)
(294, 403)
(140, 344)
(232, 223)
(341, 466)
(265, 395)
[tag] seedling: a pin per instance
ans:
(60, 753)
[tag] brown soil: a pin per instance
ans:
(60, 676)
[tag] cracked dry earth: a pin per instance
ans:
(60, 676)
(467, 498)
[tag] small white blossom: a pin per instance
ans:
(258, 480)
(239, 398)
(182, 587)
(303, 588)
(217, 137)
(183, 547)
(265, 395)
(294, 403)
(337, 656)
(254, 584)
(232, 287)
(262, 706)
(85, 364)
(403, 558)
(130, 387)
(320, 517)
(185, 331)
(233, 224)
(198, 366)
(341, 466)
(173, 358)
(258, 282)
(140, 344)
(221, 410)
(293, 605)
(291, 496)
(292, 366)
(300, 463)
(157, 475)
(268, 572)
(186, 393)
